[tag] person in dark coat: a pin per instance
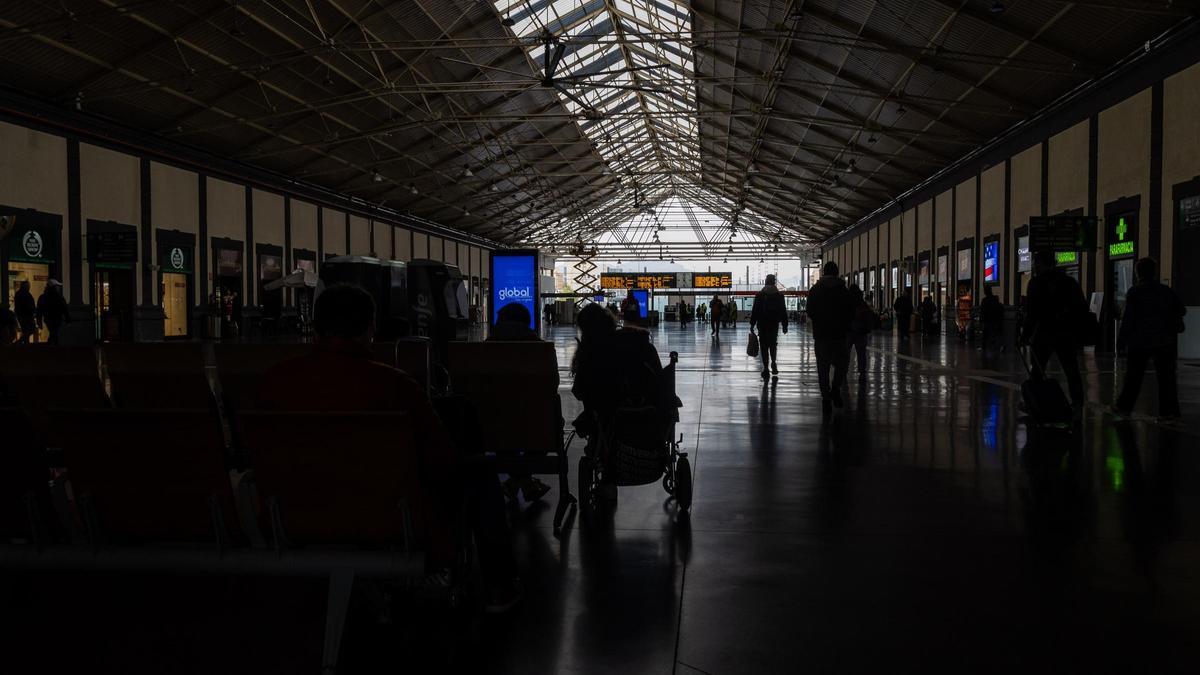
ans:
(25, 309)
(903, 309)
(1056, 310)
(860, 328)
(991, 313)
(1150, 331)
(717, 307)
(928, 312)
(52, 310)
(8, 333)
(830, 311)
(769, 314)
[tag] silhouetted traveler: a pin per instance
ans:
(1056, 314)
(631, 311)
(702, 312)
(991, 313)
(830, 310)
(861, 325)
(903, 309)
(52, 310)
(731, 309)
(512, 325)
(547, 314)
(769, 315)
(1150, 330)
(717, 306)
(340, 375)
(612, 369)
(8, 328)
(928, 315)
(25, 309)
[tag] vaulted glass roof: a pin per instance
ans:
(626, 70)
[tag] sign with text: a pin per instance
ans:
(1062, 233)
(991, 261)
(112, 247)
(712, 280)
(515, 279)
(626, 280)
(1121, 233)
(1189, 213)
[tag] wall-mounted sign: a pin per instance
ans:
(229, 262)
(32, 244)
(1189, 213)
(1062, 233)
(176, 258)
(991, 261)
(1067, 257)
(119, 248)
(1121, 232)
(1024, 256)
(923, 274)
(943, 269)
(270, 267)
(964, 264)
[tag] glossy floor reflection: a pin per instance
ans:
(925, 528)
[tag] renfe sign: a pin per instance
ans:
(515, 279)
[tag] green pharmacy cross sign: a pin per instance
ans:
(1122, 246)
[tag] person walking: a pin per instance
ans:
(1057, 311)
(928, 314)
(631, 312)
(861, 326)
(25, 309)
(52, 310)
(683, 309)
(1150, 331)
(991, 313)
(717, 306)
(769, 314)
(701, 312)
(903, 309)
(830, 311)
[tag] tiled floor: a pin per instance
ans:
(923, 529)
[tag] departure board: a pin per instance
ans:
(624, 280)
(712, 280)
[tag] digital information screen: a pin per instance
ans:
(991, 257)
(620, 281)
(515, 279)
(626, 280)
(712, 280)
(643, 300)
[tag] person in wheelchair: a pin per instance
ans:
(620, 381)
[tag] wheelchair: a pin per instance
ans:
(639, 447)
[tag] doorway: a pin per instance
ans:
(37, 274)
(113, 293)
(175, 304)
(1120, 280)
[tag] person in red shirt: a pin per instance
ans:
(339, 375)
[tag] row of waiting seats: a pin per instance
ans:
(148, 462)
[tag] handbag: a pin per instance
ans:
(752, 346)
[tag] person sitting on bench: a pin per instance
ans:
(339, 375)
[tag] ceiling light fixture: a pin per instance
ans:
(508, 21)
(997, 7)
(467, 171)
(376, 176)
(413, 188)
(872, 140)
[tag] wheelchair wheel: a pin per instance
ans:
(587, 474)
(683, 483)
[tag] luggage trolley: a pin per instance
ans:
(641, 449)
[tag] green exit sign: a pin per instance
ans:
(1066, 257)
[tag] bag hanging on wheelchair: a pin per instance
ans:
(752, 345)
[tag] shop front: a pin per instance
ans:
(112, 255)
(924, 282)
(176, 282)
(30, 253)
(225, 301)
(1185, 274)
(1120, 233)
(270, 268)
(306, 261)
(943, 294)
(964, 293)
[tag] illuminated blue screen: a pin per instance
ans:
(514, 279)
(643, 298)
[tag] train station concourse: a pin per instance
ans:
(674, 337)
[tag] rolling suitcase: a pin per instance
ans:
(1044, 398)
